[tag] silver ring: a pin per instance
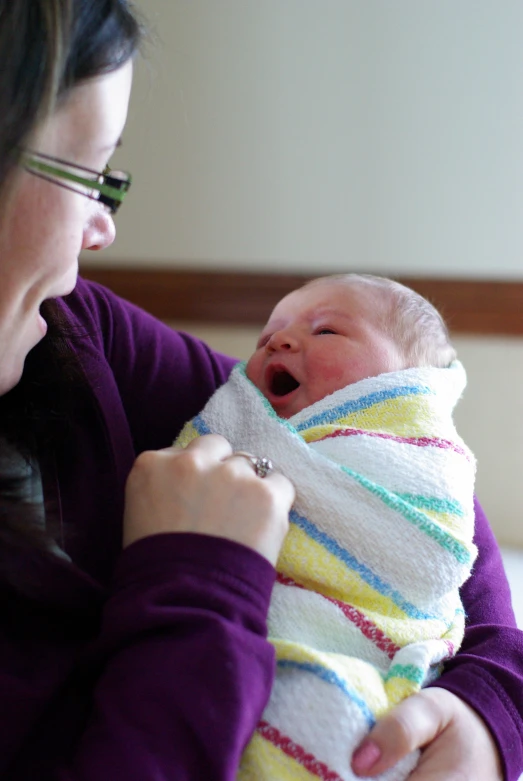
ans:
(262, 466)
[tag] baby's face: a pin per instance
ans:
(320, 339)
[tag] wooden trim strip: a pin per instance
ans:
(469, 306)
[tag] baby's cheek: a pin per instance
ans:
(253, 368)
(338, 370)
(332, 371)
(330, 362)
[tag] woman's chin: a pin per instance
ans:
(12, 366)
(9, 380)
(42, 325)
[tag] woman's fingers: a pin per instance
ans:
(412, 724)
(211, 446)
(456, 743)
(205, 490)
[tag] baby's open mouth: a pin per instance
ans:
(282, 383)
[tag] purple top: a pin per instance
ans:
(152, 662)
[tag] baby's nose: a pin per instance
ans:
(282, 340)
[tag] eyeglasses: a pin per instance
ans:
(108, 187)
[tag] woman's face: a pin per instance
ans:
(43, 226)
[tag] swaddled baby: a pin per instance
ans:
(350, 393)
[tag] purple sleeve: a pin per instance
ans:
(164, 377)
(487, 673)
(183, 666)
(186, 669)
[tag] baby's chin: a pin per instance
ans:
(287, 410)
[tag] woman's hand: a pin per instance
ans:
(202, 489)
(456, 742)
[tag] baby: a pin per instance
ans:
(350, 393)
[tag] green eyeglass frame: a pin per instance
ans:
(108, 187)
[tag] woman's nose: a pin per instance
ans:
(282, 340)
(99, 231)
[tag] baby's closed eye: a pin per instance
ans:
(262, 341)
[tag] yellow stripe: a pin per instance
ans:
(399, 688)
(312, 566)
(360, 676)
(405, 416)
(451, 522)
(457, 629)
(187, 435)
(261, 759)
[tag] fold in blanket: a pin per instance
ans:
(366, 604)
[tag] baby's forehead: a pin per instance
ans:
(325, 293)
(328, 297)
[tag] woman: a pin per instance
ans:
(147, 660)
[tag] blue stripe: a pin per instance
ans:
(330, 677)
(363, 571)
(201, 426)
(333, 415)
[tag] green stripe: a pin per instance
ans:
(414, 516)
(432, 503)
(408, 672)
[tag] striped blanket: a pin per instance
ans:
(366, 606)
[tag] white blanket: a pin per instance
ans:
(366, 604)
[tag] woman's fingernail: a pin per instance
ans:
(366, 756)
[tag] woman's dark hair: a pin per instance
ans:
(47, 47)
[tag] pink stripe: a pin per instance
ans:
(359, 619)
(296, 752)
(451, 649)
(445, 444)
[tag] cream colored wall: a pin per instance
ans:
(310, 134)
(489, 417)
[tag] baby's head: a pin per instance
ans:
(340, 329)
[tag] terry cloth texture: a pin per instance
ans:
(366, 605)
